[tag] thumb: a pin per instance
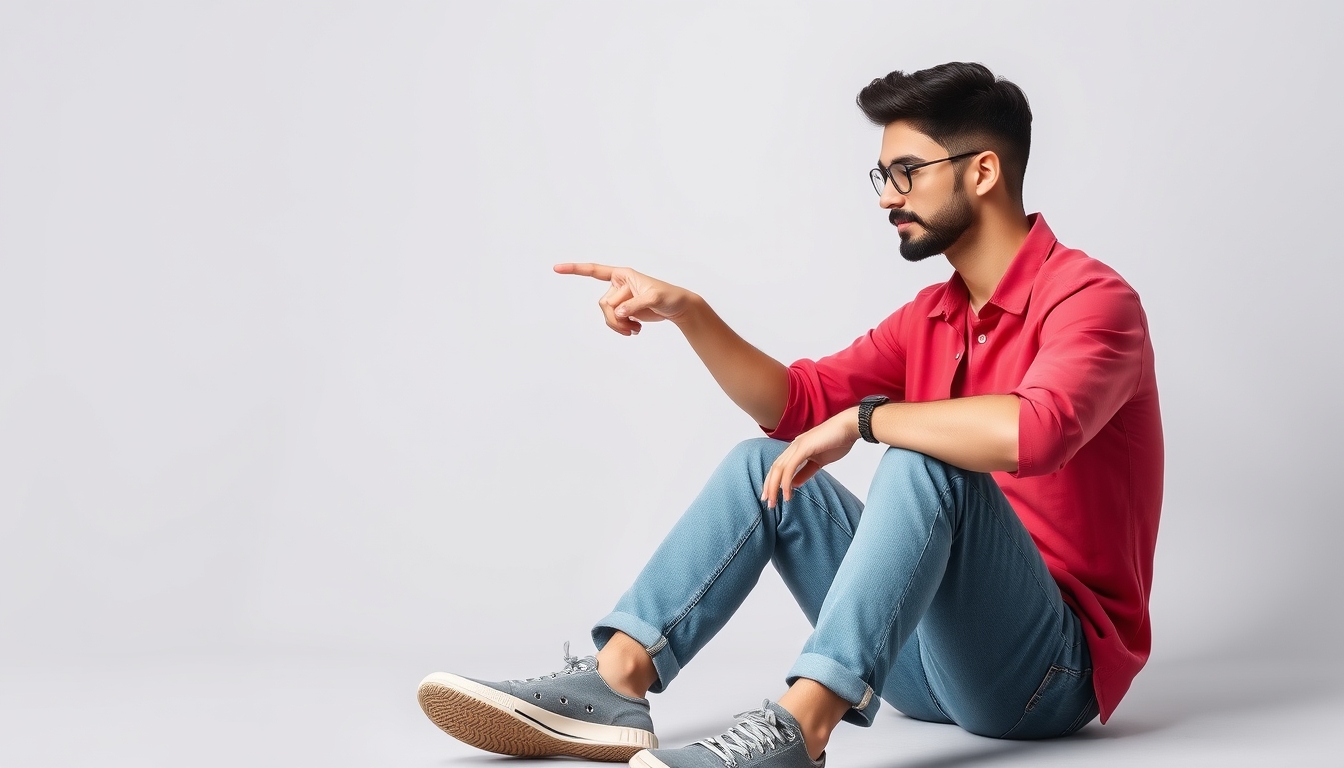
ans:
(635, 304)
(809, 469)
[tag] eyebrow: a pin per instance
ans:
(902, 160)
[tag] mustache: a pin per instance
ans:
(898, 216)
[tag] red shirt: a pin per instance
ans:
(1067, 335)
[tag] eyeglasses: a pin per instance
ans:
(880, 176)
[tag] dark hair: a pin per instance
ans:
(963, 107)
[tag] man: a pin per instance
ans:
(998, 576)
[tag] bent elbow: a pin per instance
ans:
(1008, 457)
(1009, 437)
(1045, 438)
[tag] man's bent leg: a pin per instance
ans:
(941, 550)
(714, 555)
(1003, 654)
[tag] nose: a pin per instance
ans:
(891, 198)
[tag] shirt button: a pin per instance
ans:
(957, 356)
(981, 339)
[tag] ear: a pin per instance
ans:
(984, 173)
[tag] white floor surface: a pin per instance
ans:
(287, 709)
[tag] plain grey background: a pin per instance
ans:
(292, 407)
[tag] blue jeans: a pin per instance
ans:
(933, 598)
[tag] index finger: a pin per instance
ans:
(587, 269)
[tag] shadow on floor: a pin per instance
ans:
(1167, 694)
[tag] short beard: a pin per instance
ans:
(941, 231)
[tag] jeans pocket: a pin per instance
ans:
(1044, 688)
(1059, 705)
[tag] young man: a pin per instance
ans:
(998, 576)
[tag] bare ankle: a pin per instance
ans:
(817, 711)
(626, 666)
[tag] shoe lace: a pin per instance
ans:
(755, 730)
(572, 664)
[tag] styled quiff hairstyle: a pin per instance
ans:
(963, 107)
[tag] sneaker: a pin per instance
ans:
(767, 737)
(570, 712)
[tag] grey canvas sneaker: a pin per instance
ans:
(570, 712)
(768, 737)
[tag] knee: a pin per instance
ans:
(911, 470)
(905, 461)
(747, 464)
(757, 452)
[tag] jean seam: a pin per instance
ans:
(713, 577)
(1006, 733)
(924, 675)
(998, 520)
(1055, 669)
(1078, 721)
(844, 526)
(1035, 698)
(891, 619)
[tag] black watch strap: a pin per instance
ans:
(866, 407)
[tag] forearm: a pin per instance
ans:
(975, 433)
(756, 382)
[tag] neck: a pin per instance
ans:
(982, 254)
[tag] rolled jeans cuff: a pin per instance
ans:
(842, 682)
(664, 661)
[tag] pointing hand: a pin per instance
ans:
(632, 298)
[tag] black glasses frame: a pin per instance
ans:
(880, 176)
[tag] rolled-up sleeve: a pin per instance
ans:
(1089, 365)
(873, 364)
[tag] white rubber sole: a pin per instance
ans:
(645, 759)
(497, 722)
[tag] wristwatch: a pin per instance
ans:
(866, 406)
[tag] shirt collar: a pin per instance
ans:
(1015, 287)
